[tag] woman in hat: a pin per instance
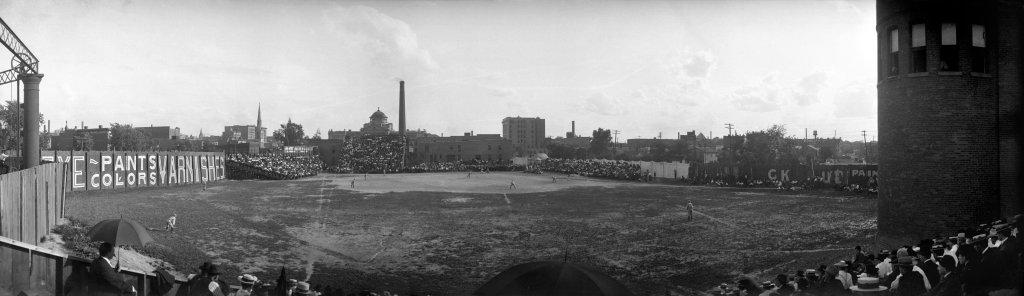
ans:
(248, 282)
(302, 289)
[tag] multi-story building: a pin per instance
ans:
(526, 134)
(79, 139)
(487, 147)
(949, 103)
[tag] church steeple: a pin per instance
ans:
(259, 122)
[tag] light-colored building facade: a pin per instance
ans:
(526, 134)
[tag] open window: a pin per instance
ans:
(949, 59)
(979, 54)
(919, 58)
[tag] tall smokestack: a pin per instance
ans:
(573, 128)
(401, 107)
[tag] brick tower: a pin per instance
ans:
(949, 98)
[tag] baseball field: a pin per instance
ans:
(448, 233)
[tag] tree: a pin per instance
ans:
(290, 133)
(599, 143)
(124, 137)
(81, 141)
(11, 119)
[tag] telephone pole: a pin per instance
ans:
(865, 135)
(729, 127)
(616, 133)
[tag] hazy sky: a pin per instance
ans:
(641, 67)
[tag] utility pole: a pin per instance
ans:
(865, 135)
(616, 133)
(729, 127)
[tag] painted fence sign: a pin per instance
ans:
(92, 170)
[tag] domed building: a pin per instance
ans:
(378, 124)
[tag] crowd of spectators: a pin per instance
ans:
(591, 168)
(371, 154)
(278, 165)
(984, 261)
(815, 183)
(472, 165)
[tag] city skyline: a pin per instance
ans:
(641, 68)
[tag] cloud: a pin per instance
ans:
(390, 44)
(856, 101)
(602, 103)
(760, 97)
(807, 91)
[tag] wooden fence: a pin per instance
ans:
(31, 203)
(41, 271)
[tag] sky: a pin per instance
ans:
(639, 67)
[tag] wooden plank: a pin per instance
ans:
(15, 198)
(4, 205)
(20, 273)
(38, 214)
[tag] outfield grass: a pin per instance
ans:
(449, 243)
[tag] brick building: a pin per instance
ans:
(100, 138)
(490, 147)
(526, 134)
(949, 88)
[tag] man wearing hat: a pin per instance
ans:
(951, 282)
(908, 282)
(106, 280)
(248, 283)
(884, 267)
(843, 276)
(1008, 248)
(926, 261)
(207, 284)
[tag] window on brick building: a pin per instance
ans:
(919, 59)
(979, 54)
(894, 49)
(949, 60)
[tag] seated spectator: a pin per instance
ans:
(106, 279)
(208, 284)
(782, 286)
(831, 284)
(909, 282)
(950, 281)
(747, 286)
(248, 283)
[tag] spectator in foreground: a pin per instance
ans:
(831, 284)
(248, 283)
(208, 284)
(106, 280)
(748, 287)
(909, 282)
(783, 287)
(950, 283)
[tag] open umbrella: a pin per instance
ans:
(120, 232)
(551, 278)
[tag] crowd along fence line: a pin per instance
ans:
(97, 170)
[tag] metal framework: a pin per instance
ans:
(24, 62)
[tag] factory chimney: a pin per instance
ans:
(573, 128)
(401, 107)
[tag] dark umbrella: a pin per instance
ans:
(120, 232)
(551, 278)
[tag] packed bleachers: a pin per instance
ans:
(614, 170)
(273, 166)
(791, 185)
(983, 261)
